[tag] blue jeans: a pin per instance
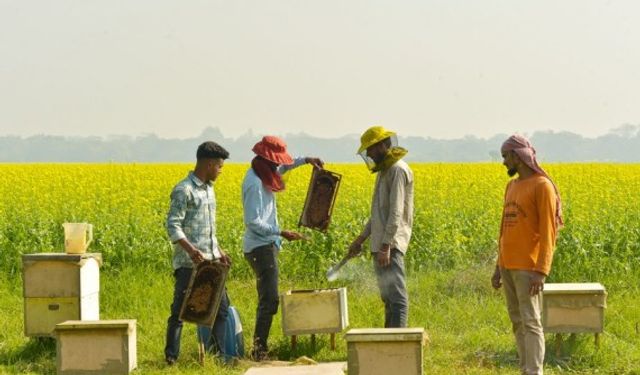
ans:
(264, 262)
(393, 290)
(174, 324)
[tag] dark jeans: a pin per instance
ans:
(393, 290)
(264, 262)
(174, 324)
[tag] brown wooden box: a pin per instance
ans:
(384, 351)
(96, 347)
(573, 307)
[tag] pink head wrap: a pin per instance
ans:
(525, 151)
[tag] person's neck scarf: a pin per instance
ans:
(393, 155)
(525, 151)
(268, 174)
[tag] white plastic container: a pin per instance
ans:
(77, 237)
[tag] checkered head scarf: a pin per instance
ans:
(525, 151)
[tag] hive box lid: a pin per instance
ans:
(61, 257)
(95, 324)
(312, 291)
(385, 334)
(331, 368)
(574, 288)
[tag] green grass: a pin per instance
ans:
(467, 324)
(457, 214)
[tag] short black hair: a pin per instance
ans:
(211, 150)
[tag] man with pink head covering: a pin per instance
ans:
(531, 217)
(263, 235)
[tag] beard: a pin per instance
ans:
(512, 172)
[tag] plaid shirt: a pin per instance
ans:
(192, 215)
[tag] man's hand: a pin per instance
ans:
(496, 282)
(195, 255)
(384, 255)
(292, 236)
(356, 247)
(536, 282)
(224, 258)
(316, 162)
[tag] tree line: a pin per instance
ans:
(618, 145)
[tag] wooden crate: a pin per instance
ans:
(383, 351)
(96, 347)
(58, 287)
(314, 311)
(573, 307)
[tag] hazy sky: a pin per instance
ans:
(442, 69)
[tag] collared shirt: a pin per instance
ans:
(392, 208)
(192, 215)
(260, 211)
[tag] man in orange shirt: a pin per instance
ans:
(531, 218)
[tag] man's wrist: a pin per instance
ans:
(540, 273)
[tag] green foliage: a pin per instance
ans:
(467, 323)
(457, 213)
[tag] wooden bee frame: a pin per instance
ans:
(202, 298)
(321, 197)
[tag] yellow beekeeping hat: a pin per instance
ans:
(372, 136)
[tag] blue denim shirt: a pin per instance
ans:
(192, 215)
(260, 211)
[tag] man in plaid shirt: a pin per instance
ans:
(191, 226)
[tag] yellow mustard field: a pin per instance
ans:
(457, 211)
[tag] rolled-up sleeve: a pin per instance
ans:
(252, 203)
(397, 193)
(282, 169)
(177, 212)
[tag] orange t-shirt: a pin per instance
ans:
(528, 232)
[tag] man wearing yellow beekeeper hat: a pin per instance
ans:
(390, 222)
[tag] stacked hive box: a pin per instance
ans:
(59, 287)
